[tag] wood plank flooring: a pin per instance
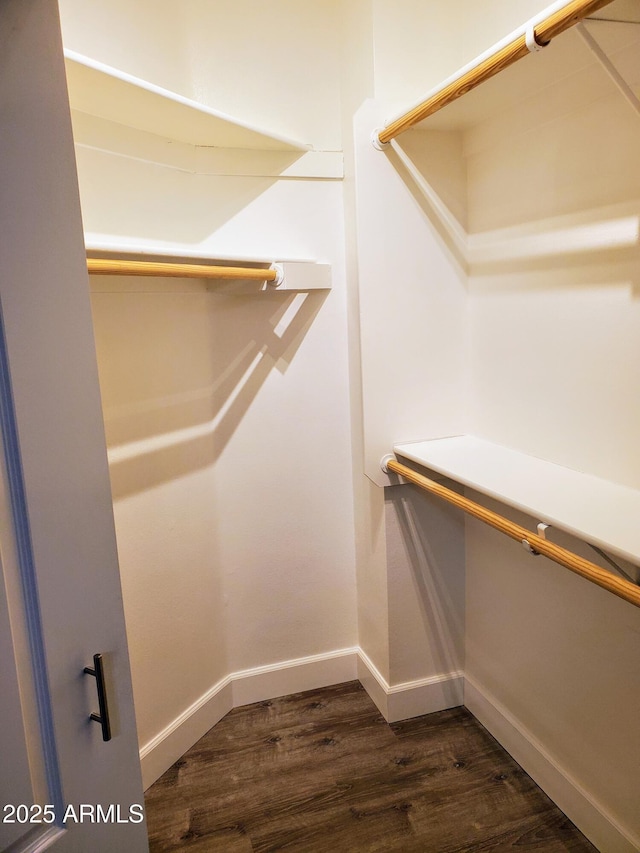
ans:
(322, 772)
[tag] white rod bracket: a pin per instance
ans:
(375, 140)
(394, 479)
(383, 462)
(527, 547)
(279, 271)
(533, 45)
(542, 529)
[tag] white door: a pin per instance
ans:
(60, 598)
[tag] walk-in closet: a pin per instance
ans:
(353, 289)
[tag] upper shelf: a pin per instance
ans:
(595, 510)
(109, 93)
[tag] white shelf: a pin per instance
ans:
(299, 274)
(600, 230)
(111, 94)
(590, 232)
(595, 510)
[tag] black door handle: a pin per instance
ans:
(103, 717)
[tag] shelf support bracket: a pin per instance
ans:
(529, 548)
(542, 529)
(609, 67)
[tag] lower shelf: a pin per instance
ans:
(299, 275)
(600, 512)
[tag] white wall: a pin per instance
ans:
(554, 356)
(228, 417)
(414, 338)
(550, 368)
(552, 657)
(156, 379)
(555, 333)
(413, 355)
(357, 83)
(419, 44)
(425, 562)
(148, 40)
(277, 64)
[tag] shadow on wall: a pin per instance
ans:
(431, 165)
(581, 248)
(131, 194)
(175, 388)
(433, 540)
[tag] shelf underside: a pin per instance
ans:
(555, 74)
(99, 90)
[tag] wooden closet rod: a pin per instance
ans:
(107, 266)
(618, 586)
(543, 33)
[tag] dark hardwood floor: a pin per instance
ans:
(322, 772)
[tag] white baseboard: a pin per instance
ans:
(242, 688)
(158, 754)
(580, 807)
(293, 676)
(411, 698)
